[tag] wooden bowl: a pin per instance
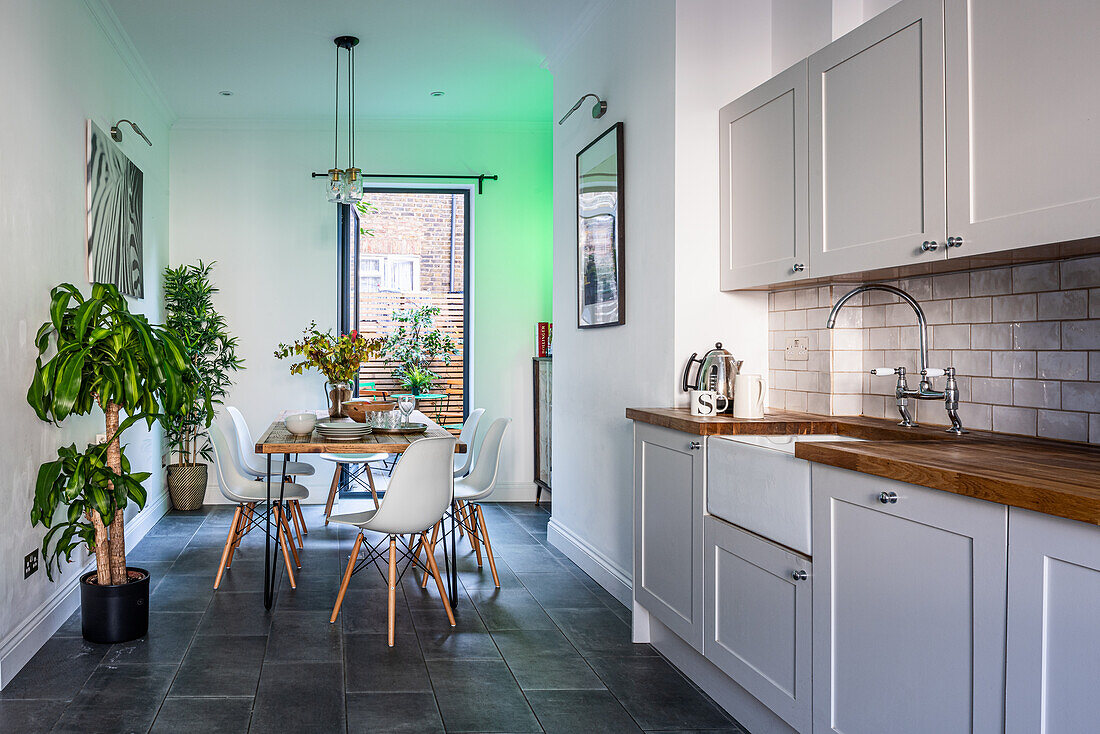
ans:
(357, 409)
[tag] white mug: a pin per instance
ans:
(706, 402)
(748, 396)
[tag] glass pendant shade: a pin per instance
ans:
(353, 186)
(336, 189)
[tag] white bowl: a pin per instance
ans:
(301, 424)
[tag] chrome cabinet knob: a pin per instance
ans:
(798, 267)
(798, 575)
(695, 445)
(888, 498)
(929, 246)
(954, 241)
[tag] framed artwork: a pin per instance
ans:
(114, 216)
(601, 281)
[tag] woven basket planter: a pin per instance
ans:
(187, 486)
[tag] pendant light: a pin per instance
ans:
(345, 185)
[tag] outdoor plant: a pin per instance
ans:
(336, 357)
(189, 305)
(103, 356)
(415, 343)
(417, 380)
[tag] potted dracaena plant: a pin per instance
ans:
(414, 345)
(338, 358)
(102, 355)
(190, 315)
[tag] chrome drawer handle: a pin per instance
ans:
(888, 498)
(798, 575)
(695, 445)
(954, 241)
(929, 246)
(798, 268)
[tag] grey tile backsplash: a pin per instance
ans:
(1025, 341)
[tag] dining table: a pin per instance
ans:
(277, 439)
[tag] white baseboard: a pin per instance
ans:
(608, 574)
(27, 639)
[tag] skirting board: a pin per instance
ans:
(318, 492)
(608, 574)
(753, 715)
(26, 640)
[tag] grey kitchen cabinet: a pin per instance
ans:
(876, 143)
(668, 528)
(908, 607)
(762, 183)
(757, 617)
(1023, 123)
(1053, 667)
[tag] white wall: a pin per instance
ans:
(626, 57)
(58, 68)
(242, 195)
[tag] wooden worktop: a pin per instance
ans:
(1054, 477)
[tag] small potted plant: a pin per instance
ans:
(414, 345)
(102, 356)
(338, 358)
(190, 314)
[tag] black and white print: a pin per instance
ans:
(114, 207)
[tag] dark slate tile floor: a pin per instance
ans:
(548, 651)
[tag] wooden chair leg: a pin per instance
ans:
(431, 551)
(347, 577)
(302, 518)
(461, 526)
(294, 519)
(289, 537)
(439, 585)
(241, 530)
(229, 542)
(332, 490)
(472, 533)
(281, 538)
(393, 587)
(370, 481)
(488, 547)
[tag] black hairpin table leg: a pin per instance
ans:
(269, 576)
(454, 560)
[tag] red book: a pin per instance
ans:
(543, 338)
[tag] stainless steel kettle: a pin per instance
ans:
(717, 371)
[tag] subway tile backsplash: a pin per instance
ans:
(1025, 341)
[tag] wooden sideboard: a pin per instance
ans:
(542, 368)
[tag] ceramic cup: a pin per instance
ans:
(301, 424)
(748, 396)
(707, 402)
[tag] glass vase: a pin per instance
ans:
(337, 393)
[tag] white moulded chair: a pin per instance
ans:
(251, 499)
(463, 462)
(251, 465)
(475, 488)
(419, 493)
(363, 461)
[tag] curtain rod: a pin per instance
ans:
(480, 178)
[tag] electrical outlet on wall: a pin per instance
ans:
(101, 438)
(798, 349)
(30, 563)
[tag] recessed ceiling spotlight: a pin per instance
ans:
(226, 93)
(437, 94)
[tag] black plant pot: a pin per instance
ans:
(110, 614)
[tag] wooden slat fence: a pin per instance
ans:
(375, 310)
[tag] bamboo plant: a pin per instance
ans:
(190, 315)
(102, 355)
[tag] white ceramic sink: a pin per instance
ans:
(756, 482)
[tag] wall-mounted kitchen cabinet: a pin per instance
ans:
(1053, 667)
(908, 607)
(757, 614)
(969, 125)
(1023, 123)
(668, 521)
(876, 143)
(762, 183)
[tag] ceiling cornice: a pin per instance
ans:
(116, 35)
(363, 125)
(584, 22)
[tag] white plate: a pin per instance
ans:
(329, 426)
(361, 431)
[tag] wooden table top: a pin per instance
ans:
(1054, 477)
(278, 440)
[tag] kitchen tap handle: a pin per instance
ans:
(884, 371)
(934, 372)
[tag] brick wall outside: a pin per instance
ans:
(418, 224)
(1025, 341)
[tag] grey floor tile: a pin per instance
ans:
(303, 636)
(509, 609)
(169, 636)
(598, 631)
(163, 548)
(285, 687)
(394, 713)
(545, 660)
(57, 671)
(117, 698)
(206, 715)
(365, 611)
(370, 664)
(236, 613)
(656, 694)
(221, 666)
(29, 717)
(559, 589)
(467, 704)
(567, 712)
(528, 558)
(179, 593)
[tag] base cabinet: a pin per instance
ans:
(1053, 668)
(757, 616)
(668, 528)
(908, 607)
